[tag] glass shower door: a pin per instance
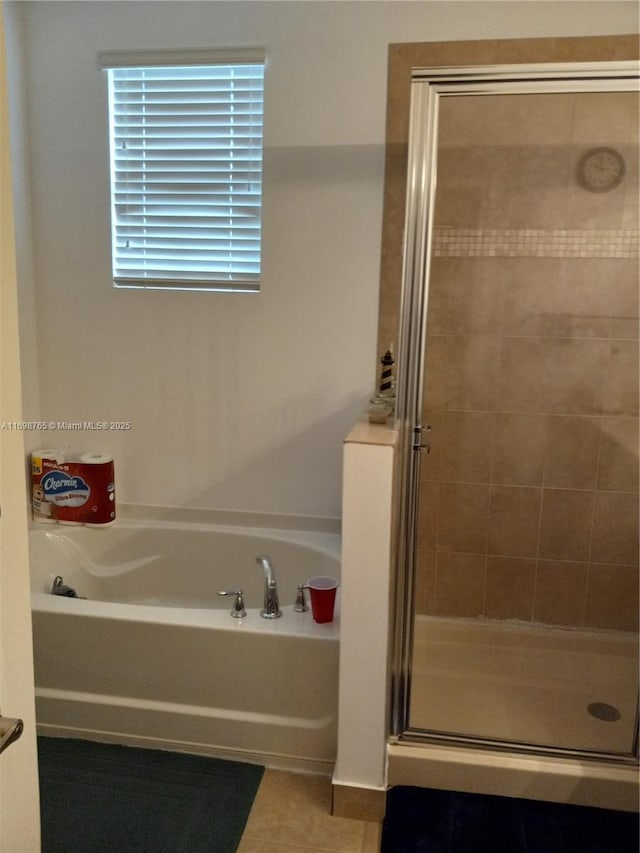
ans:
(525, 595)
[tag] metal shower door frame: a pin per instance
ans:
(428, 85)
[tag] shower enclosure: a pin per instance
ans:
(518, 410)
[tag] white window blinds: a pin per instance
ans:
(186, 175)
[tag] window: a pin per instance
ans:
(186, 169)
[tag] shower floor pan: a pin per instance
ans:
(527, 684)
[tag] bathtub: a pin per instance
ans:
(151, 655)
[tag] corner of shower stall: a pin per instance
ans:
(516, 643)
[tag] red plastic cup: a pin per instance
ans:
(323, 597)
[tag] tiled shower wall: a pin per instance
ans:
(529, 497)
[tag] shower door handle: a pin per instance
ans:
(418, 444)
(10, 731)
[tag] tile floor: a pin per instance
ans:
(290, 814)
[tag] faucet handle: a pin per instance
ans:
(237, 611)
(301, 605)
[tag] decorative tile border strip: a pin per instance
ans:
(534, 243)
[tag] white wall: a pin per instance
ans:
(16, 91)
(236, 401)
(19, 806)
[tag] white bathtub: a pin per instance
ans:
(153, 657)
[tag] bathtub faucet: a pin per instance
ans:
(271, 608)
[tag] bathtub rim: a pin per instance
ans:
(239, 518)
(291, 624)
(327, 541)
(316, 533)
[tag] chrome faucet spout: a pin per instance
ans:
(271, 608)
(265, 562)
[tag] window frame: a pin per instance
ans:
(236, 276)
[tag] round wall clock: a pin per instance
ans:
(601, 169)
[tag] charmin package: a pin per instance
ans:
(71, 487)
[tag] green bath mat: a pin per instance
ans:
(100, 798)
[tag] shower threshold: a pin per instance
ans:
(525, 683)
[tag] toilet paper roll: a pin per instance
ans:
(42, 510)
(95, 458)
(40, 514)
(54, 453)
(101, 459)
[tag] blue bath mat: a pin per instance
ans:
(423, 820)
(100, 798)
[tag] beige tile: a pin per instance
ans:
(467, 439)
(435, 371)
(612, 597)
(388, 305)
(631, 214)
(509, 588)
(571, 454)
(434, 437)
(506, 120)
(372, 837)
(463, 518)
(620, 392)
(470, 379)
(624, 295)
(474, 291)
(514, 521)
(575, 375)
(523, 375)
(425, 581)
(571, 49)
(363, 804)
(530, 187)
(565, 525)
(518, 449)
(615, 529)
(460, 121)
(618, 458)
(460, 582)
(530, 289)
(428, 516)
(370, 844)
(255, 845)
(441, 273)
(603, 118)
(462, 188)
(560, 593)
(594, 210)
(294, 810)
(602, 296)
(567, 297)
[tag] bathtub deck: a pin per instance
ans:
(515, 683)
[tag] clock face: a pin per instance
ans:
(601, 169)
